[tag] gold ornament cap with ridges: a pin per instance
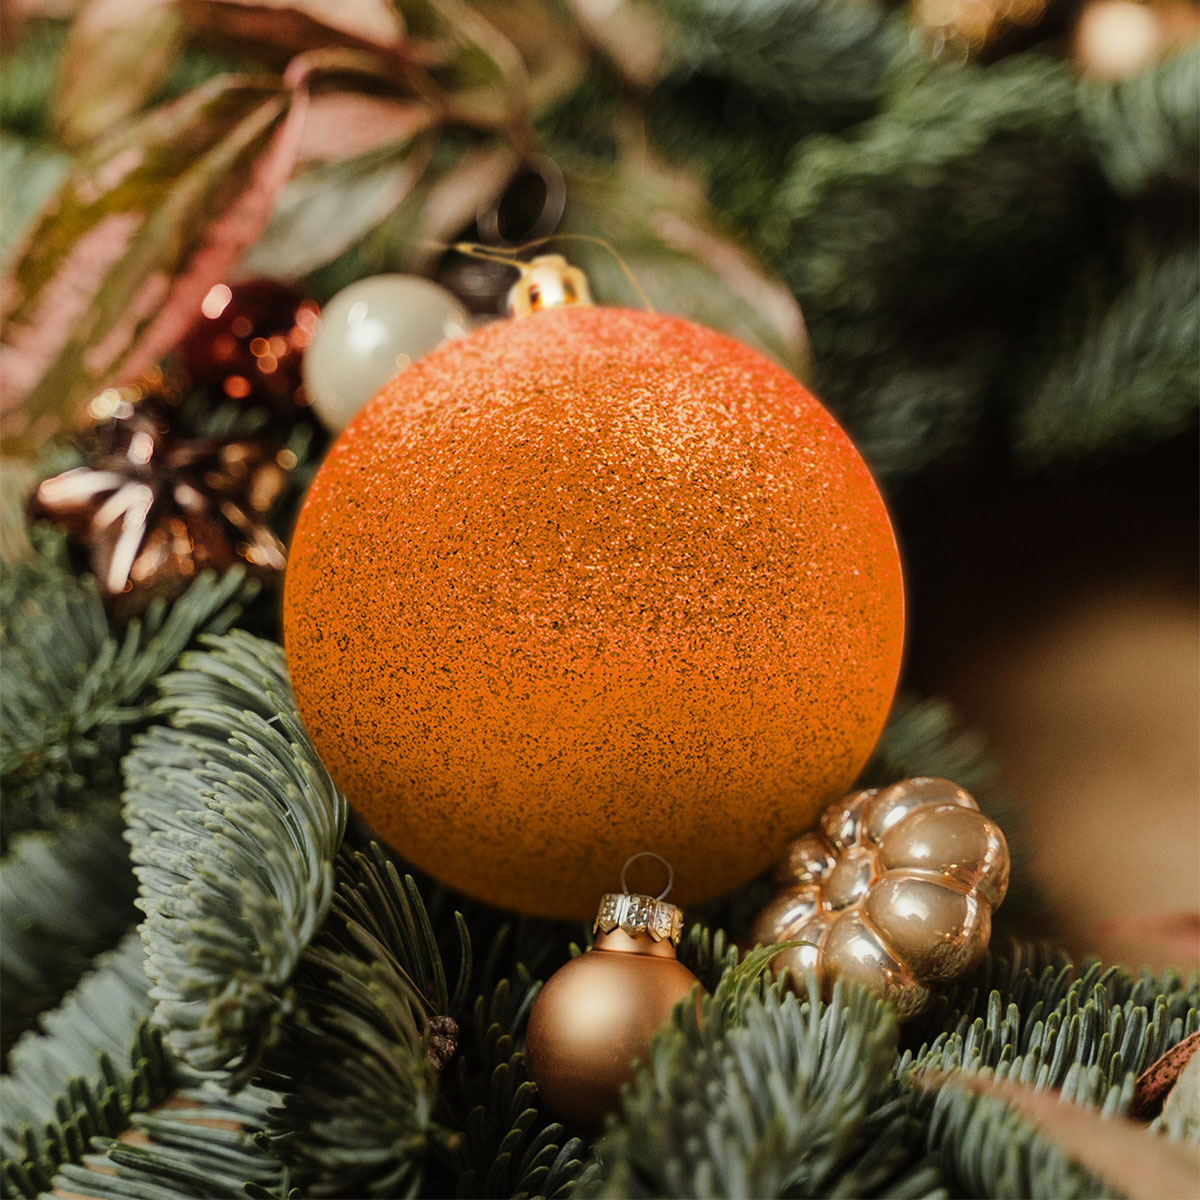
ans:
(548, 282)
(639, 916)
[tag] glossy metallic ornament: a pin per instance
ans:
(596, 1015)
(369, 331)
(895, 891)
(248, 345)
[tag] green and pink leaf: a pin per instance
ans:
(115, 270)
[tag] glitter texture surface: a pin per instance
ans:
(585, 583)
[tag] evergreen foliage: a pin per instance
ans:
(65, 896)
(233, 823)
(850, 53)
(94, 1061)
(355, 1062)
(201, 1145)
(1031, 1015)
(771, 1097)
(928, 224)
(1146, 129)
(981, 251)
(369, 1106)
(1123, 369)
(75, 689)
(98, 1071)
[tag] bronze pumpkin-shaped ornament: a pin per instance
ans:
(895, 891)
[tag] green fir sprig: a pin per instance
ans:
(65, 896)
(75, 689)
(234, 824)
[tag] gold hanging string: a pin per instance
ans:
(509, 257)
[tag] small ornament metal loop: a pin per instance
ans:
(649, 854)
(487, 218)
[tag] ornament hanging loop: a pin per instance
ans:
(549, 281)
(648, 854)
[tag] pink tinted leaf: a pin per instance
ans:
(1128, 1157)
(118, 54)
(276, 30)
(114, 271)
(347, 125)
(478, 72)
(328, 208)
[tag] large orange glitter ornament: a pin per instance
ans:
(587, 582)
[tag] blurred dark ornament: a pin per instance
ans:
(151, 508)
(249, 342)
(531, 208)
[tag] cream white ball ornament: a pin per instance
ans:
(369, 331)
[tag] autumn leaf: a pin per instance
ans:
(331, 206)
(1140, 1164)
(118, 54)
(115, 269)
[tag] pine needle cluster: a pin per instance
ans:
(986, 255)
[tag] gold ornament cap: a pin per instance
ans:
(549, 281)
(639, 916)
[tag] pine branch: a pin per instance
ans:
(849, 52)
(927, 737)
(64, 897)
(94, 1061)
(74, 691)
(916, 401)
(1028, 1001)
(1030, 1015)
(203, 1143)
(707, 952)
(506, 1144)
(1123, 374)
(969, 172)
(770, 1097)
(356, 1059)
(377, 914)
(361, 1062)
(1146, 129)
(86, 1080)
(234, 824)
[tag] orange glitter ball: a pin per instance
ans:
(585, 583)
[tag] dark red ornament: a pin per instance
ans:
(248, 343)
(151, 508)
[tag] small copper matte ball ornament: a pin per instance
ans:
(597, 1014)
(894, 891)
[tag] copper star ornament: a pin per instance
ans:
(152, 507)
